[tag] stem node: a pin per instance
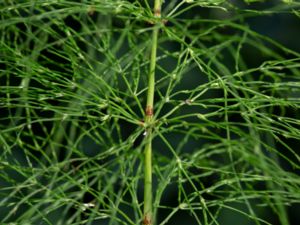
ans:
(149, 111)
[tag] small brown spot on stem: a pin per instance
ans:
(147, 220)
(149, 111)
(157, 12)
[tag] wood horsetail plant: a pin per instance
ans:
(149, 112)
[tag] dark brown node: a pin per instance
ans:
(149, 111)
(157, 13)
(146, 220)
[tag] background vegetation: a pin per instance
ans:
(72, 97)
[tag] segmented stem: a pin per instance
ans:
(148, 217)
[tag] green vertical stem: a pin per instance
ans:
(148, 215)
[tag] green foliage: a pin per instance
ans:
(73, 92)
